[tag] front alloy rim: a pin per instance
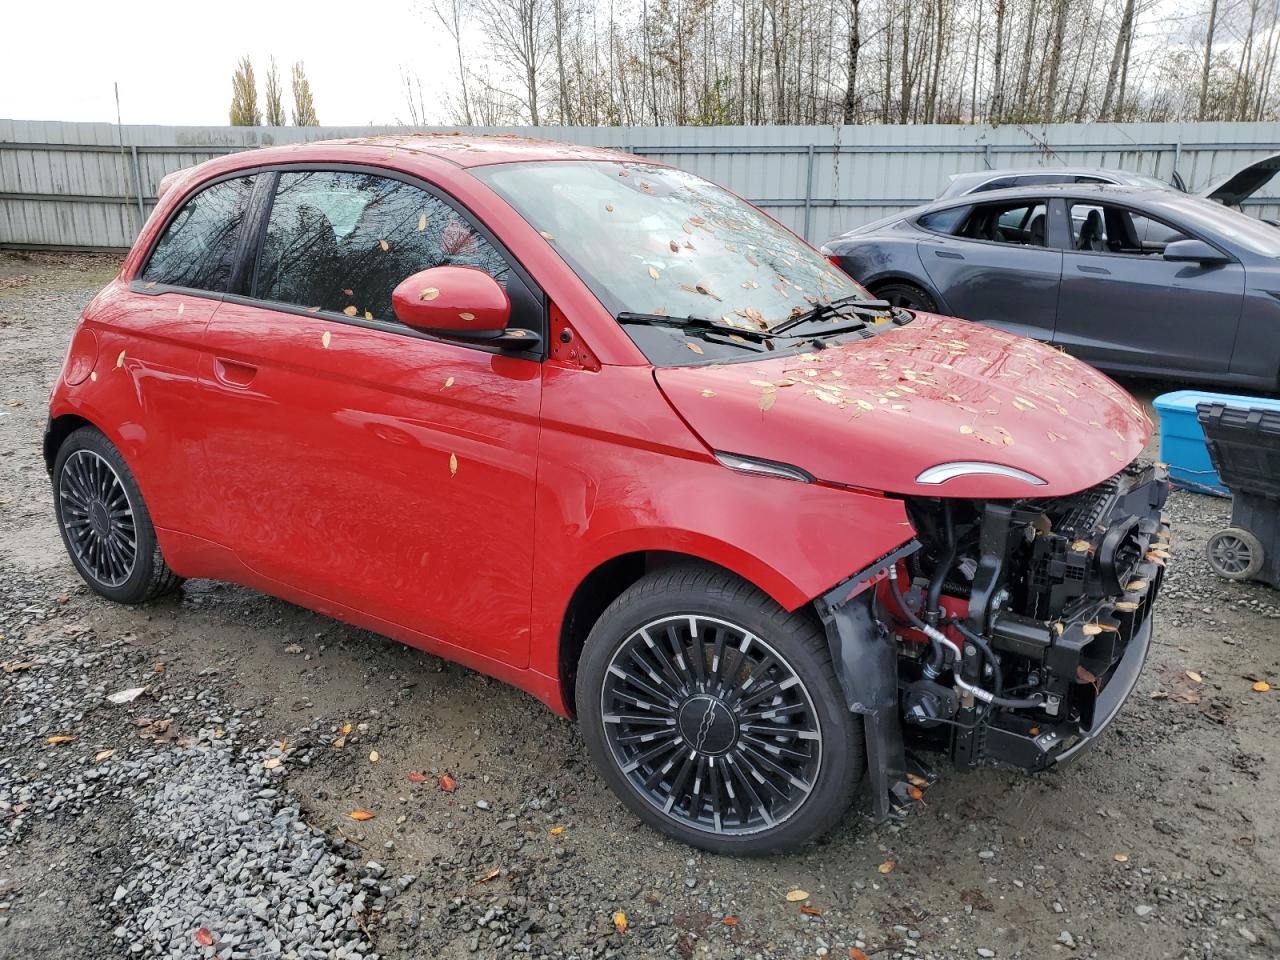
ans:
(1231, 553)
(711, 725)
(97, 517)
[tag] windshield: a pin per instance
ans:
(1252, 234)
(653, 240)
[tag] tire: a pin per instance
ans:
(681, 786)
(907, 295)
(1235, 554)
(104, 522)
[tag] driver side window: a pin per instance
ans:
(1107, 228)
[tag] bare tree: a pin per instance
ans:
(452, 16)
(518, 31)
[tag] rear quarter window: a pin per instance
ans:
(943, 221)
(198, 247)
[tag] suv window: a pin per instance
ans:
(943, 221)
(342, 241)
(198, 247)
(996, 183)
(1105, 228)
(1019, 222)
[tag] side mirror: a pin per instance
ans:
(1194, 251)
(459, 303)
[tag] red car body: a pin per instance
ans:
(468, 502)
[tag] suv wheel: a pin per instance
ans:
(104, 522)
(716, 715)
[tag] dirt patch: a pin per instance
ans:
(1162, 842)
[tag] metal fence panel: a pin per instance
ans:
(77, 185)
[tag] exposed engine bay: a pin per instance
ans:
(1013, 630)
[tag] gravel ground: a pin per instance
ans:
(220, 825)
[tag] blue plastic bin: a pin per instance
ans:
(1182, 444)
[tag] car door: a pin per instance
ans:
(358, 460)
(992, 264)
(1123, 306)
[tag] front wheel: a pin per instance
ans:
(716, 716)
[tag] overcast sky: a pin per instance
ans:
(174, 58)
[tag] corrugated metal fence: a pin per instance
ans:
(91, 185)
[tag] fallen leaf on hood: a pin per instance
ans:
(694, 347)
(1261, 686)
(766, 401)
(384, 245)
(654, 273)
(429, 293)
(204, 937)
(620, 922)
(453, 464)
(417, 777)
(120, 359)
(103, 755)
(271, 763)
(965, 428)
(708, 393)
(448, 383)
(422, 223)
(326, 339)
(447, 783)
(887, 866)
(361, 815)
(795, 896)
(59, 738)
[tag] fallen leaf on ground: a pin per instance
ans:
(362, 815)
(887, 866)
(60, 738)
(204, 937)
(809, 911)
(556, 831)
(339, 743)
(489, 875)
(447, 783)
(293, 648)
(1261, 686)
(916, 781)
(13, 666)
(795, 896)
(127, 696)
(856, 954)
(271, 763)
(620, 922)
(730, 921)
(374, 756)
(102, 755)
(1192, 675)
(416, 777)
(1121, 858)
(345, 729)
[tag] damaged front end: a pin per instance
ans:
(1008, 631)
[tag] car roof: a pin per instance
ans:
(412, 153)
(1115, 190)
(981, 176)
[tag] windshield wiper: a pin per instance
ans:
(696, 322)
(879, 309)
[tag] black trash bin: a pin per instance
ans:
(1244, 444)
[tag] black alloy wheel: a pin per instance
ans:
(715, 715)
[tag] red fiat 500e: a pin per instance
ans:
(603, 430)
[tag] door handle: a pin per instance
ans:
(1083, 268)
(234, 373)
(948, 254)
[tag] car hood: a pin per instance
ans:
(1244, 183)
(876, 413)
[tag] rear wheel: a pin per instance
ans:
(907, 296)
(716, 716)
(104, 522)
